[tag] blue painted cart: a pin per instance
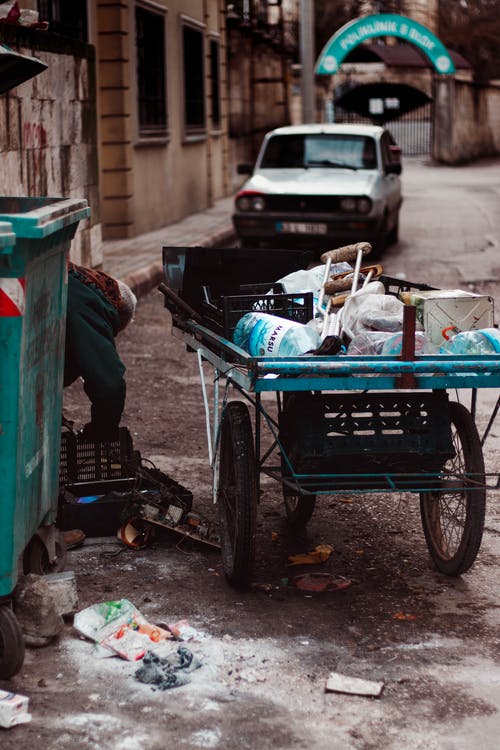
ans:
(337, 424)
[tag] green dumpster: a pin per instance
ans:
(35, 237)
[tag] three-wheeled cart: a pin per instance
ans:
(357, 424)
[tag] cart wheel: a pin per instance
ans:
(237, 494)
(11, 644)
(36, 557)
(299, 508)
(453, 521)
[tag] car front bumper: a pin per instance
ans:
(305, 230)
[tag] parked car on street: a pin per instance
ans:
(321, 186)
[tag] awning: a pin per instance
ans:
(398, 56)
(16, 68)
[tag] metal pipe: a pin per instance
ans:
(306, 58)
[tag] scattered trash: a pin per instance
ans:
(320, 553)
(339, 683)
(119, 627)
(404, 616)
(64, 592)
(167, 672)
(321, 582)
(266, 587)
(159, 501)
(183, 631)
(13, 709)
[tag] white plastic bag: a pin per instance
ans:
(373, 312)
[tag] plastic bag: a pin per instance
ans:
(311, 280)
(9, 12)
(368, 342)
(373, 312)
(120, 627)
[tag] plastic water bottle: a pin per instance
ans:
(264, 335)
(393, 345)
(484, 341)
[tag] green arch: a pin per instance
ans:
(384, 24)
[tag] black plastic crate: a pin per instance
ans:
(226, 271)
(103, 469)
(224, 316)
(88, 461)
(366, 433)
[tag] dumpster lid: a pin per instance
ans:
(37, 217)
(16, 68)
(7, 236)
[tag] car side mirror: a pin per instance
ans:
(393, 168)
(244, 168)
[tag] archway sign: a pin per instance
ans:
(383, 24)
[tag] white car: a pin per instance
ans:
(321, 186)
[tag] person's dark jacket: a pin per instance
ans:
(91, 326)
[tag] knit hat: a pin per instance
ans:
(128, 303)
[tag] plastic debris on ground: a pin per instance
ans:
(183, 631)
(163, 504)
(167, 672)
(321, 582)
(319, 554)
(339, 683)
(119, 627)
(13, 709)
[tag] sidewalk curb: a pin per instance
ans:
(147, 278)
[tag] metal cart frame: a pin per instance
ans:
(359, 424)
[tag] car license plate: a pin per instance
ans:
(300, 227)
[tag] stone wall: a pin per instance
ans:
(258, 93)
(48, 130)
(467, 121)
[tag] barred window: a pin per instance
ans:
(215, 82)
(194, 83)
(151, 74)
(68, 19)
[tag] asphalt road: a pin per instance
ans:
(432, 640)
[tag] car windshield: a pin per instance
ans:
(321, 150)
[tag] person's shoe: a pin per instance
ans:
(73, 538)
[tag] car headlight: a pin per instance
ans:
(353, 205)
(258, 203)
(250, 201)
(348, 204)
(364, 205)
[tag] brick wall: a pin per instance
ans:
(48, 130)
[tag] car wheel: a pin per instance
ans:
(381, 240)
(394, 233)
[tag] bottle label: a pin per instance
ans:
(267, 336)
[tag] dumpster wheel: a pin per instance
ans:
(11, 644)
(36, 557)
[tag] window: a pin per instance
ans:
(66, 18)
(289, 151)
(215, 82)
(151, 89)
(194, 84)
